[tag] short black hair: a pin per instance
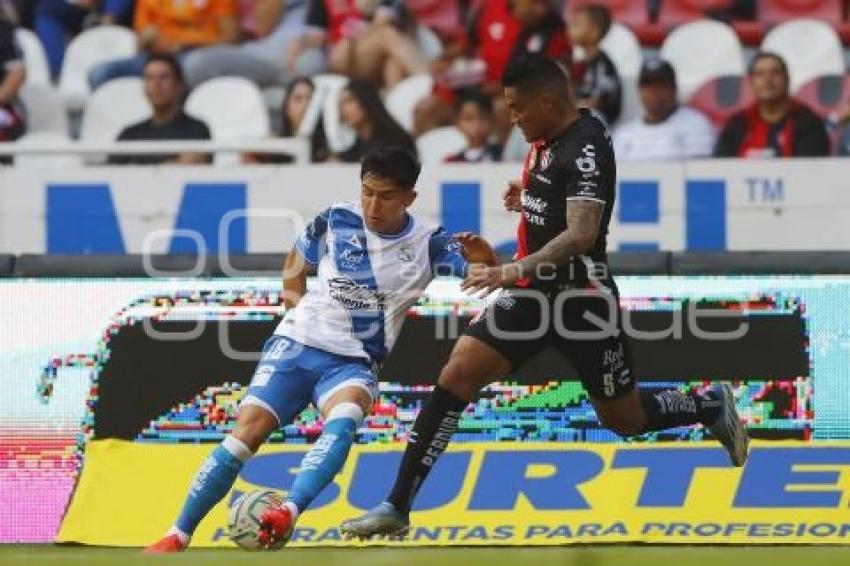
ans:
(599, 15)
(169, 60)
(394, 163)
(478, 98)
(761, 55)
(534, 73)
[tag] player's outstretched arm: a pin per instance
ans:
(583, 217)
(476, 249)
(294, 278)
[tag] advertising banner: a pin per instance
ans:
(710, 205)
(497, 494)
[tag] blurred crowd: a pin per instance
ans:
(463, 45)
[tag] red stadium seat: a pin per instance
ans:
(824, 94)
(772, 12)
(676, 12)
(443, 16)
(632, 13)
(718, 99)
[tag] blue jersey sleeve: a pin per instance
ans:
(446, 256)
(311, 243)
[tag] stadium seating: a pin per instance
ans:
(429, 42)
(721, 97)
(86, 51)
(45, 110)
(402, 99)
(35, 58)
(633, 13)
(701, 51)
(113, 107)
(824, 94)
(677, 12)
(810, 47)
(442, 16)
(232, 107)
(623, 48)
(436, 145)
(773, 12)
(328, 88)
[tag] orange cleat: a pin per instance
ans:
(275, 527)
(166, 545)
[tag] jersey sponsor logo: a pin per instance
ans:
(545, 159)
(405, 254)
(534, 209)
(587, 162)
(356, 297)
(351, 259)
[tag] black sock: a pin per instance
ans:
(432, 431)
(670, 408)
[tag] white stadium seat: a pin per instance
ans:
(35, 59)
(328, 88)
(45, 111)
(429, 42)
(404, 97)
(113, 107)
(89, 49)
(622, 46)
(436, 145)
(701, 51)
(233, 108)
(811, 48)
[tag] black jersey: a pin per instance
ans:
(578, 164)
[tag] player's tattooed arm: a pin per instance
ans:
(583, 218)
(294, 278)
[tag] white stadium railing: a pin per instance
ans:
(298, 148)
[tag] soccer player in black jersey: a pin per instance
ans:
(557, 290)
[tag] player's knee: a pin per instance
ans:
(458, 376)
(253, 426)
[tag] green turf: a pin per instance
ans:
(562, 556)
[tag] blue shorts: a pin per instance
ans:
(290, 375)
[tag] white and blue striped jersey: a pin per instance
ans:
(366, 281)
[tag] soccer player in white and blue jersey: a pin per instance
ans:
(374, 260)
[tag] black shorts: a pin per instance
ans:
(578, 322)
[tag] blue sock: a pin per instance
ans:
(212, 482)
(327, 456)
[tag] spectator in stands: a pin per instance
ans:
(294, 109)
(595, 76)
(164, 88)
(667, 130)
(364, 39)
(276, 25)
(500, 30)
(475, 121)
(57, 21)
(361, 108)
(775, 125)
(172, 27)
(12, 77)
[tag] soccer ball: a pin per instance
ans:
(243, 521)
